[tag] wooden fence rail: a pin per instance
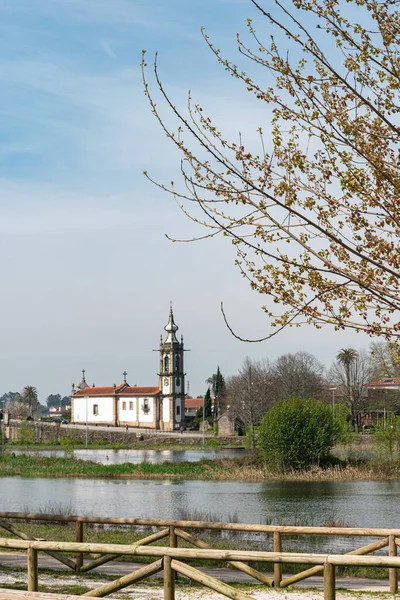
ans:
(186, 524)
(170, 560)
(176, 530)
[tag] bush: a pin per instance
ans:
(297, 433)
(387, 435)
(26, 433)
(345, 430)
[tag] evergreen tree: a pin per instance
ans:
(53, 400)
(219, 393)
(207, 405)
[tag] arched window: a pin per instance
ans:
(178, 381)
(166, 363)
(177, 362)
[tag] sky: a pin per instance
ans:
(87, 271)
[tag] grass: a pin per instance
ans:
(227, 469)
(45, 466)
(181, 443)
(358, 460)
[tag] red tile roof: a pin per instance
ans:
(122, 390)
(385, 382)
(194, 402)
(141, 391)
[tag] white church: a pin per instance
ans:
(159, 407)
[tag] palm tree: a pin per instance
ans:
(346, 357)
(30, 397)
(211, 382)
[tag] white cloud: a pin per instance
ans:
(106, 45)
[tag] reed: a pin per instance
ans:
(206, 469)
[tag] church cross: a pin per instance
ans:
(125, 374)
(83, 374)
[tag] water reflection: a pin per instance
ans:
(360, 504)
(114, 457)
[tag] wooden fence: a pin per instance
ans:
(169, 558)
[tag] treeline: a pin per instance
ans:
(24, 404)
(21, 405)
(259, 384)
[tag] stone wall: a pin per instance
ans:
(53, 433)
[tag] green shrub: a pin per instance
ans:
(387, 435)
(297, 433)
(345, 430)
(26, 434)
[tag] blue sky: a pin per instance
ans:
(87, 272)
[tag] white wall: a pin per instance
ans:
(165, 411)
(166, 385)
(146, 417)
(105, 409)
(129, 414)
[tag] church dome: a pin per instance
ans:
(171, 328)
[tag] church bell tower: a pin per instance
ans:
(172, 378)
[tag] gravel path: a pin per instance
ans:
(154, 591)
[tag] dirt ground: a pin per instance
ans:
(154, 591)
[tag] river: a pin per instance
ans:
(359, 503)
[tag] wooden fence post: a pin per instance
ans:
(79, 539)
(393, 575)
(169, 579)
(169, 573)
(172, 537)
(173, 543)
(32, 570)
(277, 566)
(329, 582)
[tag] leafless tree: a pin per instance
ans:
(251, 394)
(300, 374)
(17, 408)
(385, 359)
(259, 384)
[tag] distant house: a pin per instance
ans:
(58, 410)
(192, 405)
(385, 383)
(384, 394)
(380, 397)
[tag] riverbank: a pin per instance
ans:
(234, 469)
(179, 444)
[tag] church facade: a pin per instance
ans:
(159, 407)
